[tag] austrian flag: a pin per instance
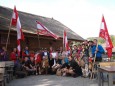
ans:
(42, 30)
(16, 22)
(65, 41)
(105, 35)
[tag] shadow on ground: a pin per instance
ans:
(52, 80)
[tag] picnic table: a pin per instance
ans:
(110, 70)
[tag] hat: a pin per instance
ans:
(90, 41)
(45, 48)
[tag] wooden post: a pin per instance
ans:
(63, 47)
(8, 36)
(8, 32)
(93, 65)
(38, 40)
(63, 42)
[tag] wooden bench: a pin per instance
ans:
(1, 79)
(2, 72)
(9, 69)
(8, 66)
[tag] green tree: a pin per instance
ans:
(101, 40)
(113, 39)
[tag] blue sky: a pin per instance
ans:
(82, 16)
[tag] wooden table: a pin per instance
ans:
(110, 70)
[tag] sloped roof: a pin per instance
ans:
(29, 25)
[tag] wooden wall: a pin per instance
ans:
(34, 44)
(30, 40)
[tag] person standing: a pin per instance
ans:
(98, 50)
(3, 54)
(90, 48)
(14, 55)
(26, 53)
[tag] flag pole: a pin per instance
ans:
(63, 41)
(38, 39)
(38, 47)
(8, 34)
(93, 70)
(92, 73)
(63, 44)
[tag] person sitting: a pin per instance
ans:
(38, 62)
(45, 61)
(19, 70)
(84, 60)
(28, 66)
(32, 63)
(73, 68)
(57, 65)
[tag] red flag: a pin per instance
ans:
(14, 17)
(65, 41)
(104, 34)
(16, 22)
(42, 30)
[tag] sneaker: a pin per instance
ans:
(64, 74)
(75, 75)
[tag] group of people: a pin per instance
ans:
(74, 62)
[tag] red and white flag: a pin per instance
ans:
(42, 30)
(16, 22)
(65, 41)
(104, 34)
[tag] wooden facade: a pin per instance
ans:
(31, 40)
(29, 29)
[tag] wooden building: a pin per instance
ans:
(29, 29)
